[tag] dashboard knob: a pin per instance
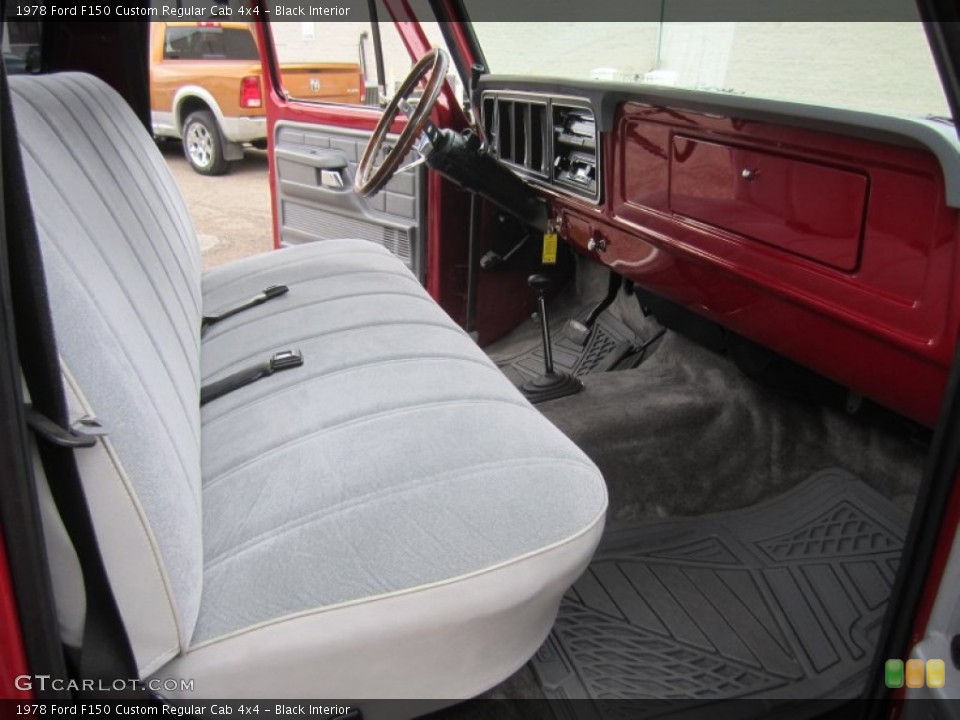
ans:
(597, 243)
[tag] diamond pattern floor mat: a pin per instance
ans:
(780, 600)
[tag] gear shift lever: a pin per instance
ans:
(551, 385)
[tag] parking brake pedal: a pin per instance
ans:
(579, 332)
(551, 385)
(492, 259)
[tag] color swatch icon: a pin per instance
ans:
(936, 674)
(893, 673)
(914, 673)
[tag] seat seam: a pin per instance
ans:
(131, 162)
(186, 229)
(342, 370)
(359, 420)
(292, 617)
(309, 279)
(116, 276)
(167, 654)
(299, 261)
(236, 362)
(107, 257)
(123, 192)
(250, 320)
(143, 385)
(371, 498)
(143, 525)
(176, 210)
(160, 170)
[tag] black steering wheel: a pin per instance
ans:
(370, 177)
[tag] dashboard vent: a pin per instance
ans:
(517, 131)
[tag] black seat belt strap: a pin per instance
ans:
(284, 360)
(105, 654)
(269, 293)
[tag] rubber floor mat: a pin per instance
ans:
(609, 341)
(780, 600)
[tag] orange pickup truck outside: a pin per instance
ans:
(206, 89)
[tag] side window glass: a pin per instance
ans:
(213, 42)
(21, 44)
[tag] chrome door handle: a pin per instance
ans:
(332, 179)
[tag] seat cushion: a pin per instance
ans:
(398, 459)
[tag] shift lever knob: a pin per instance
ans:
(539, 282)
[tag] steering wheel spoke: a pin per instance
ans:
(411, 165)
(418, 134)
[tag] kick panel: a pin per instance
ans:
(315, 171)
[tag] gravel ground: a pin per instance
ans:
(231, 212)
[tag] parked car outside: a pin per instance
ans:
(206, 90)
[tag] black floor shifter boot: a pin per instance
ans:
(551, 385)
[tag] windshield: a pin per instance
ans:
(883, 67)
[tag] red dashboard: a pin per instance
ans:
(834, 246)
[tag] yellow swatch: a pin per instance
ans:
(936, 674)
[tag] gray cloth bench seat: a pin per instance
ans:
(391, 519)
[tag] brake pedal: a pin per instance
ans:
(578, 332)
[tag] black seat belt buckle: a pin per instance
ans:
(283, 360)
(268, 293)
(272, 291)
(286, 359)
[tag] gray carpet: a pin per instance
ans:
(687, 433)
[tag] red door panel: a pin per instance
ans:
(445, 215)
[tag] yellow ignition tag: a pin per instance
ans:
(549, 248)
